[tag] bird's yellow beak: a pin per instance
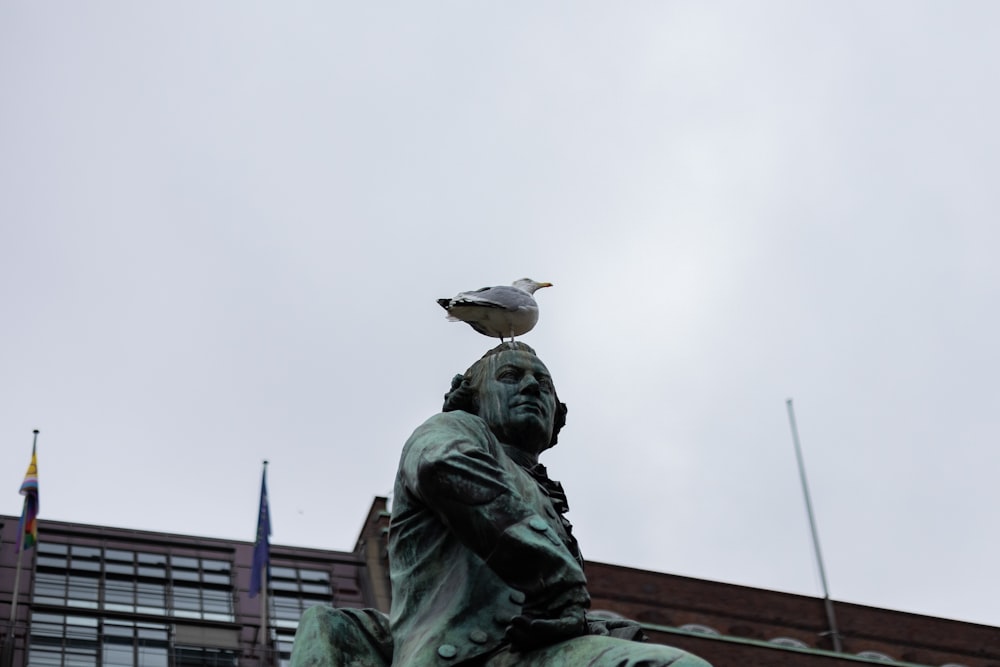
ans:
(540, 285)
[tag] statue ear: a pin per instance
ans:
(457, 397)
(558, 422)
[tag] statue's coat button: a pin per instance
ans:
(517, 597)
(538, 523)
(447, 651)
(478, 636)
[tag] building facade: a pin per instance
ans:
(94, 595)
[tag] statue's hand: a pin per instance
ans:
(546, 622)
(525, 634)
(621, 628)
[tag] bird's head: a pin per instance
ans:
(529, 285)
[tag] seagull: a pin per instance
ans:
(500, 312)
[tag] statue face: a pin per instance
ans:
(517, 400)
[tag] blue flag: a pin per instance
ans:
(262, 545)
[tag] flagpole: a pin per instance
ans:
(8, 646)
(265, 630)
(17, 574)
(20, 545)
(263, 593)
(831, 619)
(8, 643)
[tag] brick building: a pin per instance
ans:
(94, 595)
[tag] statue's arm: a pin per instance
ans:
(449, 467)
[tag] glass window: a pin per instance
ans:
(50, 588)
(153, 645)
(187, 601)
(191, 656)
(218, 604)
(93, 553)
(47, 618)
(80, 658)
(314, 575)
(81, 591)
(84, 626)
(153, 571)
(150, 598)
(85, 565)
(119, 555)
(296, 589)
(51, 561)
(285, 639)
(62, 641)
(117, 629)
(151, 559)
(151, 633)
(119, 595)
(286, 611)
(127, 644)
(318, 589)
(152, 656)
(119, 568)
(134, 582)
(52, 548)
(201, 588)
(45, 656)
(210, 565)
(185, 575)
(52, 554)
(117, 651)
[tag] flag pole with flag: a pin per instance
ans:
(27, 532)
(27, 537)
(260, 573)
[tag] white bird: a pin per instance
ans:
(500, 312)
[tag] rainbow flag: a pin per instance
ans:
(28, 528)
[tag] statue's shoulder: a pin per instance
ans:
(455, 423)
(442, 436)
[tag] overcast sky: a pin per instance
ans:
(223, 228)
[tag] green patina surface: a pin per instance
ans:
(484, 566)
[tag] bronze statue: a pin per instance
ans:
(485, 570)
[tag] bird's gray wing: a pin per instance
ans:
(502, 296)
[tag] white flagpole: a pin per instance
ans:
(831, 619)
(20, 543)
(266, 631)
(17, 574)
(8, 642)
(8, 647)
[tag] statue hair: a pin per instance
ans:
(464, 392)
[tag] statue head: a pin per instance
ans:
(510, 388)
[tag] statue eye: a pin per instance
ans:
(545, 383)
(508, 375)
